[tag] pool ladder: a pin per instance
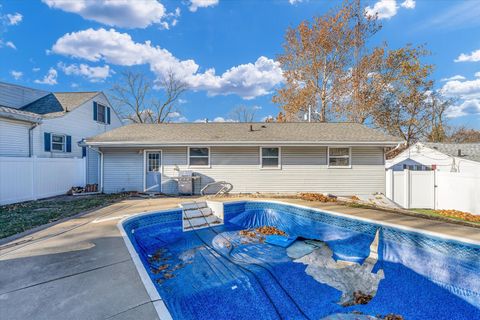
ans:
(198, 215)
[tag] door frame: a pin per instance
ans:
(145, 151)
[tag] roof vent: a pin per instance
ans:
(459, 152)
(251, 128)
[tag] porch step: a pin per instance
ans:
(198, 215)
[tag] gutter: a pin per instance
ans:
(235, 144)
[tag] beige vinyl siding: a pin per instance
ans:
(123, 170)
(14, 138)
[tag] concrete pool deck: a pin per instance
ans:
(81, 268)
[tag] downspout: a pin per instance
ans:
(30, 139)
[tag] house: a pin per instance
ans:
(37, 123)
(450, 157)
(341, 158)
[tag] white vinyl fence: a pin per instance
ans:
(23, 179)
(434, 190)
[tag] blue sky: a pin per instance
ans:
(224, 49)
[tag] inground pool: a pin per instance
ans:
(339, 267)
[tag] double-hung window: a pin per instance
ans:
(270, 157)
(339, 157)
(101, 113)
(58, 142)
(199, 157)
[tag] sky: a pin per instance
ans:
(225, 50)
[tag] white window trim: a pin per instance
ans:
(199, 166)
(339, 167)
(279, 167)
(98, 109)
(64, 149)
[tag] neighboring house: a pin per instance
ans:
(340, 158)
(450, 157)
(51, 124)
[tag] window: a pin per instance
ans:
(153, 162)
(199, 157)
(58, 143)
(101, 113)
(270, 158)
(339, 157)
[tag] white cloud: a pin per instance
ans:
(462, 89)
(408, 4)
(50, 78)
(93, 74)
(246, 80)
(16, 74)
(468, 107)
(477, 74)
(294, 1)
(10, 44)
(195, 4)
(121, 13)
(456, 77)
(385, 9)
(474, 56)
(255, 107)
(14, 19)
(36, 69)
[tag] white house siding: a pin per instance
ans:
(426, 156)
(14, 138)
(78, 124)
(303, 169)
(123, 170)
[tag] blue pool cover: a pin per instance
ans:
(214, 273)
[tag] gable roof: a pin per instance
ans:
(469, 151)
(15, 114)
(294, 133)
(59, 102)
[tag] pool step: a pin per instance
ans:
(198, 215)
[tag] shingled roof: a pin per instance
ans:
(15, 114)
(469, 151)
(59, 102)
(243, 133)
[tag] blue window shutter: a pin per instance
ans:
(84, 152)
(94, 111)
(69, 143)
(108, 115)
(46, 141)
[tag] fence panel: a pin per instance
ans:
(23, 179)
(434, 190)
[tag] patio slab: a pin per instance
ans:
(81, 269)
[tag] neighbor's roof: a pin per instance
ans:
(15, 114)
(59, 102)
(239, 133)
(469, 151)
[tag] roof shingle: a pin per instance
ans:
(469, 151)
(59, 102)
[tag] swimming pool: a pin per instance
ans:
(226, 273)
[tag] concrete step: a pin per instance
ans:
(197, 213)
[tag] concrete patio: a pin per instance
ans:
(81, 269)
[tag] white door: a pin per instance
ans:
(153, 171)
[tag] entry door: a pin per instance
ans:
(153, 174)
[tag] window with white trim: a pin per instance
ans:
(101, 113)
(339, 157)
(199, 157)
(58, 142)
(270, 157)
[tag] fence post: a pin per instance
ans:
(34, 180)
(390, 185)
(406, 188)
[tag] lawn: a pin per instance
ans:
(19, 217)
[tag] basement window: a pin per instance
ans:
(339, 157)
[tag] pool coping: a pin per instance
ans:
(158, 303)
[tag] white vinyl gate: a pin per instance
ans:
(434, 190)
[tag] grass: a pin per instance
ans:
(19, 217)
(436, 213)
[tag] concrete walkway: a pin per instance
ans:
(81, 269)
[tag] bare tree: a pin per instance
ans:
(243, 114)
(134, 97)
